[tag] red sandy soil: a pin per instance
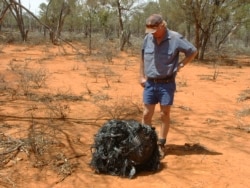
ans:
(207, 146)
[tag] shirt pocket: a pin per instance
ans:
(149, 54)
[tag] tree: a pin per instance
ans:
(122, 6)
(3, 10)
(16, 10)
(124, 10)
(211, 18)
(56, 12)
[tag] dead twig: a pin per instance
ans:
(12, 150)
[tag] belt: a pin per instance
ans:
(161, 80)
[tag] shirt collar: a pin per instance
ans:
(167, 36)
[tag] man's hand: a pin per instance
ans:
(180, 66)
(143, 81)
(187, 60)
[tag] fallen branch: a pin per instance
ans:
(12, 150)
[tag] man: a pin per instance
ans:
(159, 66)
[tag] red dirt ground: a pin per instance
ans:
(208, 143)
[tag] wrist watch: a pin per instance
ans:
(181, 65)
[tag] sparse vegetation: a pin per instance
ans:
(46, 116)
(121, 108)
(47, 127)
(244, 112)
(245, 95)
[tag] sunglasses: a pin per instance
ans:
(154, 26)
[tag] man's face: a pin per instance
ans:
(160, 30)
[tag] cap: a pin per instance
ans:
(152, 22)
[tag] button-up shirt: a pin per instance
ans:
(161, 60)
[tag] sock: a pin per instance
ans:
(161, 141)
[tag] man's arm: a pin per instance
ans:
(142, 74)
(187, 59)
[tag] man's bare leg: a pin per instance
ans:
(165, 119)
(148, 113)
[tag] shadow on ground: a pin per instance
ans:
(188, 149)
